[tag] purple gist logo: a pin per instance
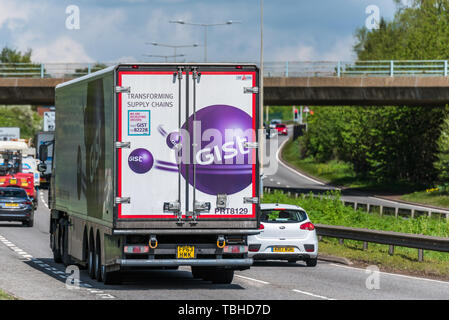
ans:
(140, 161)
(222, 163)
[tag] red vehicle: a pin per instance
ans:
(11, 175)
(282, 129)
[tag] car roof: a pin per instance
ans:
(268, 206)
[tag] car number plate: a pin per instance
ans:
(186, 252)
(13, 181)
(283, 249)
(11, 205)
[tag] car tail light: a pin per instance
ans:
(29, 202)
(307, 226)
(261, 227)
(136, 249)
(309, 247)
(254, 247)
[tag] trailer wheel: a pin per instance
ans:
(91, 258)
(111, 277)
(197, 272)
(98, 266)
(56, 242)
(66, 259)
(223, 276)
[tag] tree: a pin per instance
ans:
(9, 55)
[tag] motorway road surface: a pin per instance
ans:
(28, 271)
(289, 178)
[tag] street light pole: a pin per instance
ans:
(261, 148)
(162, 56)
(173, 46)
(205, 26)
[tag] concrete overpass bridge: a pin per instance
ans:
(300, 83)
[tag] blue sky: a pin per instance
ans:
(117, 30)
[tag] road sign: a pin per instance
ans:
(9, 133)
(49, 121)
(306, 109)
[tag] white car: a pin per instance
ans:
(286, 233)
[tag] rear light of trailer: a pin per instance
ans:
(307, 226)
(136, 249)
(261, 227)
(235, 249)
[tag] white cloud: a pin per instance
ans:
(63, 49)
(13, 14)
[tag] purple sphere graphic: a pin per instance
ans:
(140, 160)
(173, 139)
(221, 176)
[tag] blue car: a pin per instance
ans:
(15, 205)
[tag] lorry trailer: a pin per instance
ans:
(156, 166)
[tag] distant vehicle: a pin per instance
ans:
(45, 137)
(274, 122)
(282, 129)
(11, 167)
(15, 205)
(286, 234)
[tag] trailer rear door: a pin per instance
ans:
(187, 144)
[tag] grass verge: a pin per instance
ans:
(330, 210)
(404, 260)
(5, 296)
(430, 198)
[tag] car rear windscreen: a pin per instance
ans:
(283, 216)
(9, 193)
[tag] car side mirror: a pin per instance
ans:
(43, 152)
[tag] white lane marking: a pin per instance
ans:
(278, 182)
(294, 171)
(393, 274)
(55, 271)
(260, 281)
(312, 294)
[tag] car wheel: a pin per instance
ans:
(311, 262)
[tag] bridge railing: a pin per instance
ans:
(392, 68)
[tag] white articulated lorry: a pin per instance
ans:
(155, 165)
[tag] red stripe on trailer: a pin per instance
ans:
(165, 216)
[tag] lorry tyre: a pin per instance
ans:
(66, 259)
(98, 266)
(91, 261)
(197, 272)
(223, 276)
(56, 242)
(111, 277)
(311, 262)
